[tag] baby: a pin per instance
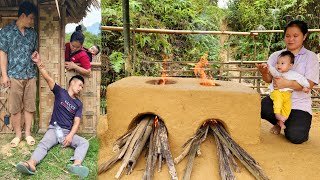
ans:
(94, 50)
(282, 97)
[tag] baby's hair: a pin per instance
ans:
(289, 54)
(98, 49)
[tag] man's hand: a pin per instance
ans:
(36, 59)
(69, 65)
(67, 141)
(6, 81)
(263, 68)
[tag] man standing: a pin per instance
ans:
(18, 41)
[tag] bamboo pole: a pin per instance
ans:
(126, 34)
(171, 31)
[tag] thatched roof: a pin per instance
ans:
(76, 9)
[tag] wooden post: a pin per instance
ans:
(134, 52)
(240, 72)
(126, 34)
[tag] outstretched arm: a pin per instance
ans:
(36, 59)
(263, 68)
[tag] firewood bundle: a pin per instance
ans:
(130, 145)
(227, 148)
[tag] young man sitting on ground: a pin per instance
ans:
(67, 112)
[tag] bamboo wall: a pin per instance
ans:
(49, 48)
(90, 97)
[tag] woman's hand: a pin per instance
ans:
(263, 68)
(69, 65)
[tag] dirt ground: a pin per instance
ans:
(278, 158)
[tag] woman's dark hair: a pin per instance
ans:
(27, 8)
(289, 54)
(297, 23)
(77, 35)
(76, 77)
(79, 28)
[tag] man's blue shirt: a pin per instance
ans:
(65, 108)
(19, 49)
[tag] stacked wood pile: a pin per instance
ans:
(227, 149)
(149, 133)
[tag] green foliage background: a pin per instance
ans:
(166, 14)
(247, 15)
(241, 15)
(90, 39)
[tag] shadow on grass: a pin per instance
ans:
(53, 166)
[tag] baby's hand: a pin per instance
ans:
(306, 90)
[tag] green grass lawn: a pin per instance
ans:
(53, 166)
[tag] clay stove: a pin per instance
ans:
(184, 105)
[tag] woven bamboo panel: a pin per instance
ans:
(49, 48)
(90, 97)
(7, 17)
(4, 104)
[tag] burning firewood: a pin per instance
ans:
(224, 163)
(225, 144)
(130, 145)
(239, 152)
(200, 134)
(121, 141)
(159, 148)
